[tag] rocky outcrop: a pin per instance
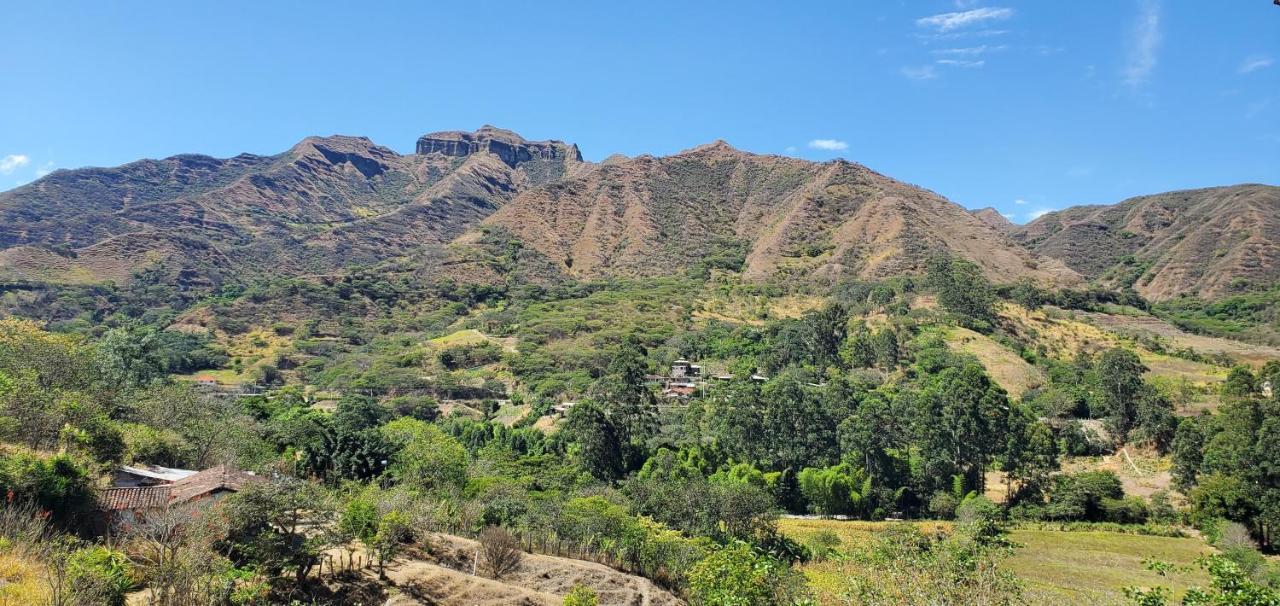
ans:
(508, 146)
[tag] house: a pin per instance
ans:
(131, 476)
(127, 504)
(681, 369)
(679, 390)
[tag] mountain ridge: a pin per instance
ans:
(328, 203)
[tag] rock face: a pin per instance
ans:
(508, 146)
(1208, 242)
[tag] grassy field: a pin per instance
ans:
(1058, 567)
(1008, 370)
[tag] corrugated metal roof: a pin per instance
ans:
(168, 474)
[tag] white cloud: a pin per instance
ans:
(923, 72)
(946, 22)
(1019, 201)
(1009, 216)
(44, 169)
(12, 162)
(961, 63)
(963, 4)
(1036, 214)
(1254, 63)
(1144, 45)
(791, 149)
(828, 145)
(971, 51)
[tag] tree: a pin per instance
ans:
(1240, 383)
(857, 351)
(425, 456)
(960, 425)
(598, 446)
(281, 525)
(500, 551)
(1030, 455)
(870, 438)
(1188, 453)
(130, 357)
(827, 327)
(798, 429)
(961, 288)
(838, 490)
(736, 575)
(1119, 376)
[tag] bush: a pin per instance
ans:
(581, 595)
(737, 575)
(500, 551)
(100, 573)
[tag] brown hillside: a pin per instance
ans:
(326, 203)
(1207, 242)
(653, 216)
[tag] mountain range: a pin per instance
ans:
(332, 202)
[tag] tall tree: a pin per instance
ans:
(961, 288)
(1119, 376)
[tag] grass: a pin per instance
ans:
(21, 581)
(1008, 369)
(1057, 566)
(1095, 567)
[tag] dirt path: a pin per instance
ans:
(446, 580)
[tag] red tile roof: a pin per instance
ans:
(206, 482)
(142, 497)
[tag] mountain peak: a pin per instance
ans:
(507, 145)
(719, 146)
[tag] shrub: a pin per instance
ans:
(737, 575)
(500, 551)
(581, 595)
(101, 573)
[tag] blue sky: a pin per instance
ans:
(1025, 106)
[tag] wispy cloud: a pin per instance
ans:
(828, 144)
(13, 162)
(946, 22)
(1254, 63)
(1036, 214)
(1019, 201)
(919, 73)
(44, 169)
(1144, 45)
(960, 63)
(970, 51)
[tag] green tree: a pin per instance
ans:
(1119, 376)
(960, 425)
(425, 456)
(598, 443)
(961, 288)
(736, 575)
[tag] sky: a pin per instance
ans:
(1023, 106)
